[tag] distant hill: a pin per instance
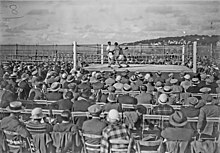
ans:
(188, 39)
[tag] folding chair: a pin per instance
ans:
(148, 146)
(89, 147)
(125, 145)
(13, 141)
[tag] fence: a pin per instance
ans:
(95, 53)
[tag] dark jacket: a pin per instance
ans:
(126, 99)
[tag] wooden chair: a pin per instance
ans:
(65, 141)
(126, 143)
(12, 141)
(151, 145)
(89, 146)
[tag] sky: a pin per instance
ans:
(99, 21)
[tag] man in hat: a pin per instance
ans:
(158, 77)
(53, 93)
(133, 83)
(82, 105)
(112, 103)
(111, 90)
(167, 81)
(37, 124)
(66, 124)
(126, 98)
(12, 123)
(194, 88)
(209, 110)
(7, 95)
(94, 125)
(186, 83)
(177, 132)
(64, 104)
(209, 84)
(118, 85)
(144, 97)
(163, 108)
(110, 80)
(23, 88)
(115, 130)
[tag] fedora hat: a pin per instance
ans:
(37, 113)
(55, 86)
(15, 106)
(167, 88)
(205, 90)
(158, 84)
(163, 99)
(133, 78)
(111, 89)
(95, 109)
(173, 81)
(126, 87)
(112, 98)
(178, 119)
(187, 76)
(70, 78)
(192, 101)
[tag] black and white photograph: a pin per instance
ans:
(109, 76)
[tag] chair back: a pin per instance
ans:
(89, 146)
(151, 146)
(122, 145)
(65, 141)
(12, 140)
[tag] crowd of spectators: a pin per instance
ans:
(80, 90)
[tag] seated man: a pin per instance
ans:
(64, 104)
(112, 103)
(66, 125)
(178, 133)
(94, 125)
(12, 124)
(115, 130)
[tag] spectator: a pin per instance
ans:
(94, 125)
(13, 124)
(66, 125)
(194, 88)
(144, 97)
(112, 103)
(54, 93)
(209, 110)
(64, 104)
(163, 108)
(115, 130)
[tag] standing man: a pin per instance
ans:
(121, 57)
(110, 49)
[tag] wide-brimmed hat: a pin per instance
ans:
(170, 75)
(158, 84)
(70, 78)
(126, 87)
(147, 76)
(55, 86)
(167, 88)
(37, 113)
(133, 78)
(195, 80)
(95, 109)
(192, 101)
(163, 98)
(118, 78)
(24, 76)
(111, 89)
(15, 106)
(141, 109)
(173, 81)
(205, 90)
(178, 119)
(187, 76)
(218, 81)
(112, 98)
